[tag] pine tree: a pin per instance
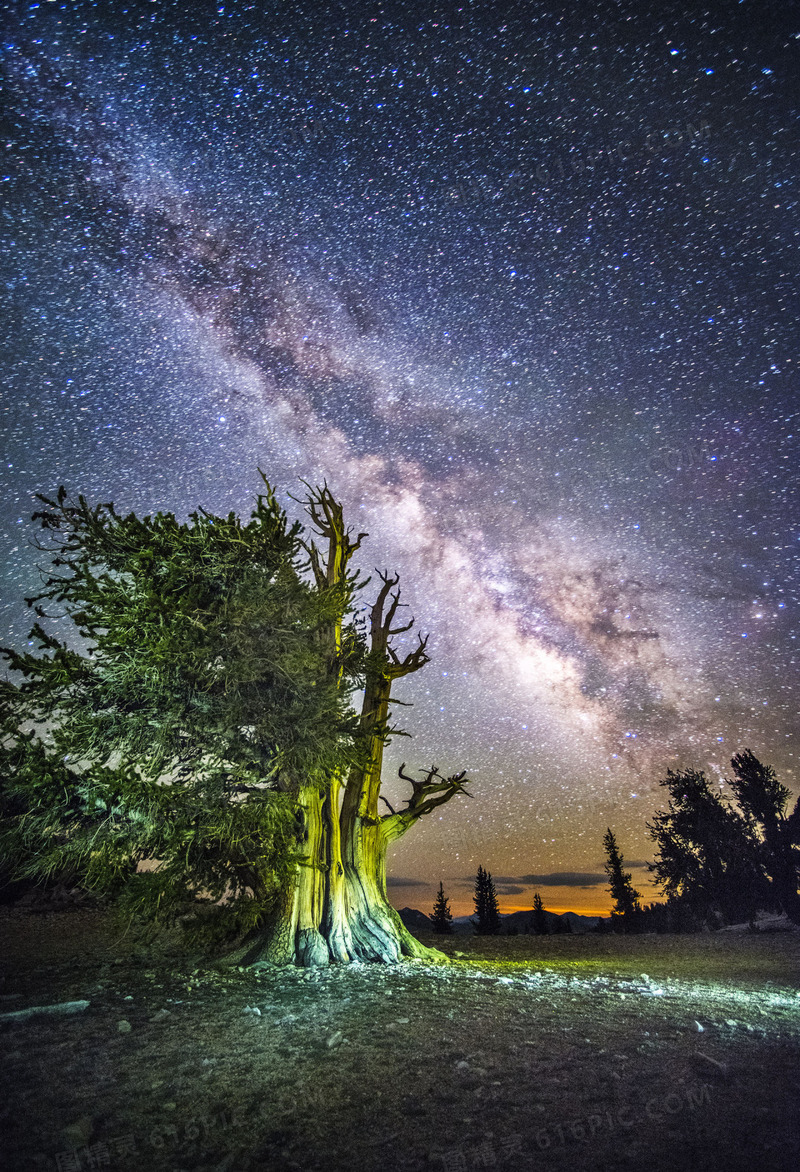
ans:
(763, 802)
(486, 907)
(708, 853)
(626, 899)
(199, 714)
(540, 924)
(442, 917)
(179, 731)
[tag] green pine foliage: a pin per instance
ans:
(184, 692)
(442, 917)
(487, 921)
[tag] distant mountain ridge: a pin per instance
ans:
(511, 923)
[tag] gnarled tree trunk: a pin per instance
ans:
(335, 907)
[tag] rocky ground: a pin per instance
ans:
(593, 1052)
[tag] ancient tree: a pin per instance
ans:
(201, 742)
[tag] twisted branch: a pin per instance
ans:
(327, 516)
(434, 790)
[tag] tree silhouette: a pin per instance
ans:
(442, 917)
(708, 853)
(486, 907)
(540, 924)
(763, 801)
(626, 898)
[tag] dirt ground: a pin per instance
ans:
(540, 1053)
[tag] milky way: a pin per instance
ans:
(520, 286)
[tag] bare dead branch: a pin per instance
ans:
(434, 790)
(327, 516)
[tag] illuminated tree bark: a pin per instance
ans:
(335, 907)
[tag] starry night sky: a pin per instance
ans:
(521, 284)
